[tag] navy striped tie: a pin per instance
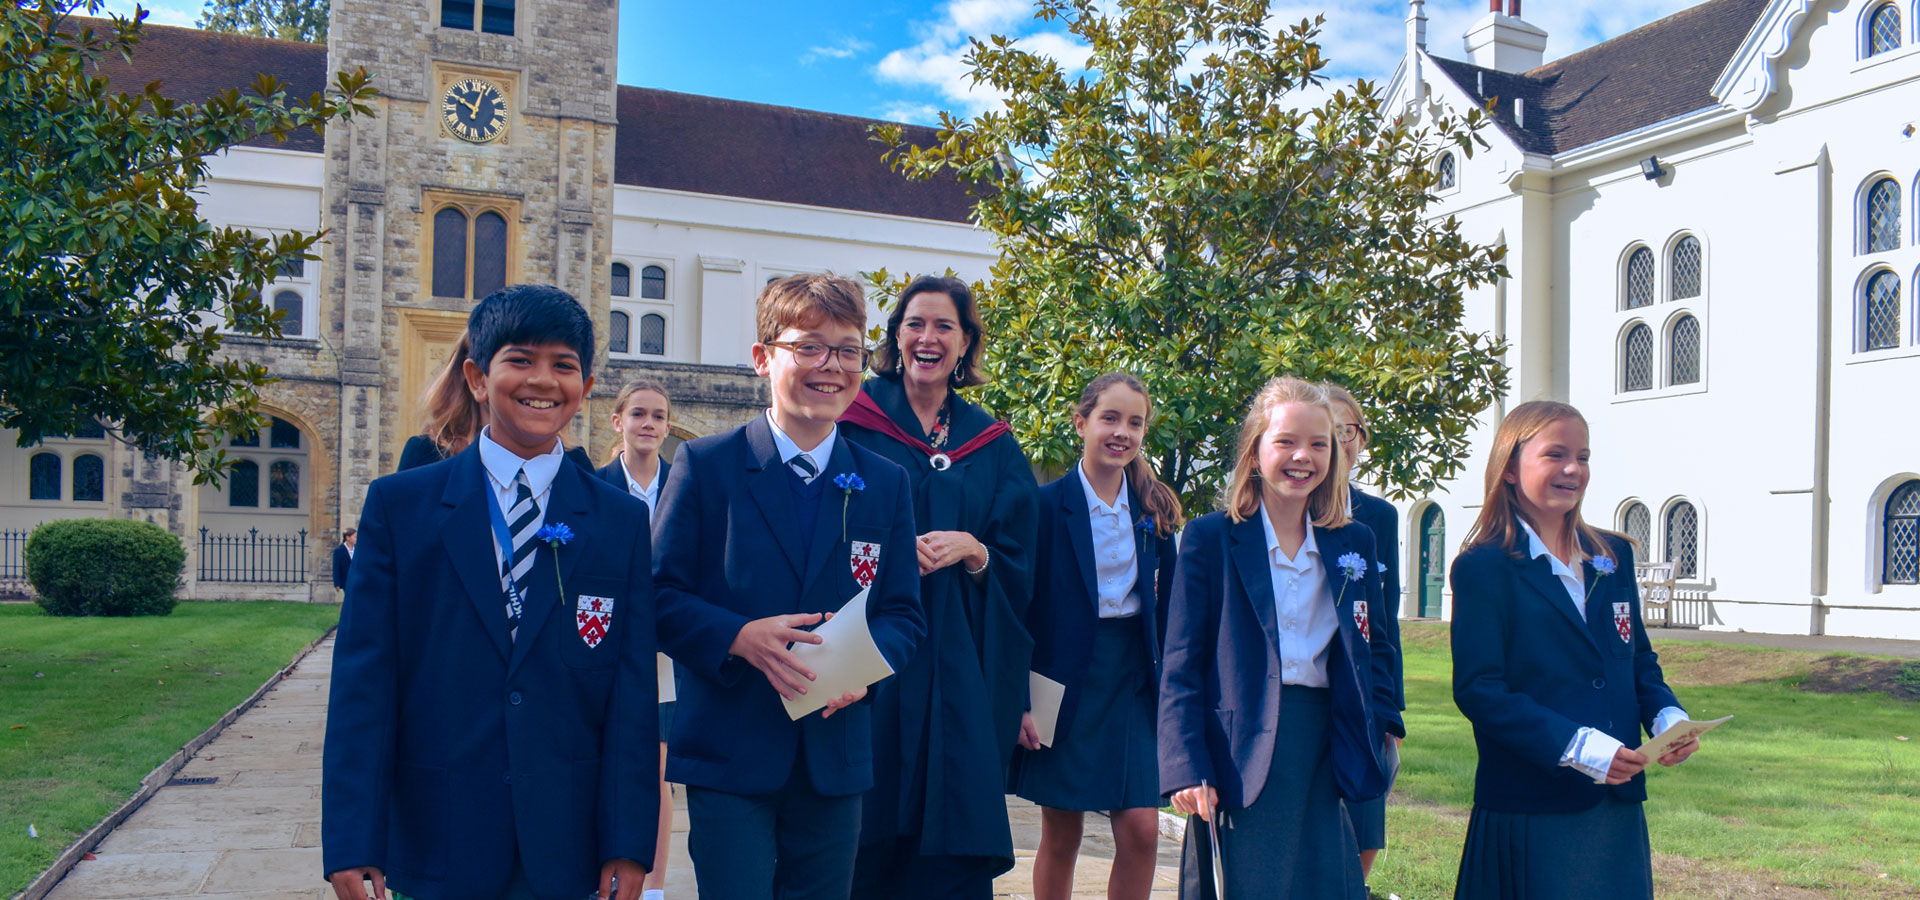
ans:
(523, 520)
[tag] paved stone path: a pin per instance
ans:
(254, 833)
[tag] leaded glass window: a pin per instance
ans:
(456, 14)
(293, 324)
(283, 484)
(1883, 30)
(1638, 524)
(250, 439)
(653, 283)
(1682, 540)
(89, 477)
(1683, 352)
(450, 244)
(489, 253)
(1685, 273)
(1883, 216)
(618, 327)
(1639, 282)
(284, 434)
(1636, 359)
(622, 280)
(43, 477)
(1903, 536)
(1880, 312)
(653, 334)
(1447, 172)
(243, 484)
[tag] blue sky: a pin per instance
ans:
(902, 60)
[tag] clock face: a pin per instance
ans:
(473, 110)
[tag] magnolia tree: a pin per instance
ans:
(1179, 210)
(113, 287)
(288, 20)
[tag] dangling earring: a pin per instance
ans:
(899, 361)
(958, 378)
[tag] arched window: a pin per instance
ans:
(243, 484)
(293, 323)
(463, 255)
(283, 484)
(283, 434)
(1447, 172)
(622, 280)
(1883, 30)
(1880, 312)
(1638, 524)
(89, 477)
(1683, 272)
(1902, 536)
(1682, 540)
(618, 327)
(1683, 351)
(1636, 359)
(653, 334)
(43, 477)
(1883, 216)
(1639, 280)
(653, 283)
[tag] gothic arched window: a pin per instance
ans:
(43, 477)
(283, 484)
(468, 249)
(89, 477)
(1682, 540)
(1880, 312)
(1638, 524)
(1638, 282)
(653, 283)
(622, 280)
(1683, 351)
(243, 484)
(1447, 173)
(1883, 216)
(1883, 30)
(1902, 536)
(1683, 272)
(1636, 359)
(619, 326)
(653, 334)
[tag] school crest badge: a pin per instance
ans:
(1623, 621)
(593, 618)
(864, 557)
(1360, 619)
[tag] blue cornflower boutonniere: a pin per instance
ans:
(1145, 524)
(1354, 566)
(556, 534)
(847, 482)
(1604, 565)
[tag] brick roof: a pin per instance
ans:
(665, 139)
(1649, 75)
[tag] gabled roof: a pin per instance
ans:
(1646, 76)
(664, 139)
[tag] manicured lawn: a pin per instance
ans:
(89, 706)
(1802, 795)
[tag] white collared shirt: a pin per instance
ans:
(502, 466)
(1114, 568)
(649, 492)
(1305, 616)
(820, 455)
(1591, 750)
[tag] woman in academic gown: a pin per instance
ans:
(944, 727)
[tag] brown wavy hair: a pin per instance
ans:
(1160, 500)
(453, 417)
(1499, 521)
(887, 355)
(1328, 502)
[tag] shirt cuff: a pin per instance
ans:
(1667, 718)
(1591, 751)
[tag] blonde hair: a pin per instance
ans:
(1160, 500)
(1328, 503)
(1344, 397)
(453, 417)
(620, 405)
(1499, 521)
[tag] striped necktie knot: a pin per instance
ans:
(802, 465)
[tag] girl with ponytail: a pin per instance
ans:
(1104, 571)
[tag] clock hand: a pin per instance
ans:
(473, 106)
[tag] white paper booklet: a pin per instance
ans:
(1045, 694)
(1676, 734)
(846, 660)
(663, 673)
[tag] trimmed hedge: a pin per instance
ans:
(104, 567)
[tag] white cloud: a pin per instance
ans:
(913, 113)
(936, 64)
(845, 48)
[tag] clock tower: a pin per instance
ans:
(489, 161)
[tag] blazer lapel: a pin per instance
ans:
(1073, 503)
(1537, 574)
(768, 488)
(1248, 551)
(1146, 556)
(569, 503)
(1341, 592)
(836, 507)
(466, 537)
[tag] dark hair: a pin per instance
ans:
(1160, 500)
(886, 359)
(349, 533)
(807, 301)
(529, 314)
(453, 417)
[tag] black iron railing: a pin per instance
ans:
(254, 557)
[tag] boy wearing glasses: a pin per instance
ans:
(761, 532)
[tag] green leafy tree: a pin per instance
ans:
(1180, 211)
(113, 285)
(288, 20)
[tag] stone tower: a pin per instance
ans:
(489, 161)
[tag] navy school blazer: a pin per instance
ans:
(1384, 521)
(342, 562)
(729, 552)
(1220, 690)
(1066, 598)
(450, 749)
(1528, 673)
(615, 473)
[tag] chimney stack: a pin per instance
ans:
(1504, 41)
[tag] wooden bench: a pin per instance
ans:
(1656, 589)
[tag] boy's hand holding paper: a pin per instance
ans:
(843, 658)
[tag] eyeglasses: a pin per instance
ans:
(813, 353)
(1350, 431)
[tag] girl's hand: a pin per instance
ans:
(842, 702)
(1627, 762)
(1199, 801)
(1679, 754)
(1029, 735)
(940, 549)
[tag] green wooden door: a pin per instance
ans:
(1433, 560)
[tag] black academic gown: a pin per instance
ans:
(945, 726)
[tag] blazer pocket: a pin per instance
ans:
(598, 616)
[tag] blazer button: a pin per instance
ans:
(506, 779)
(1598, 684)
(514, 698)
